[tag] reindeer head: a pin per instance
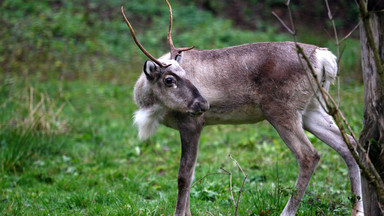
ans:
(166, 82)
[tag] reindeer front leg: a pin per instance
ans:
(190, 129)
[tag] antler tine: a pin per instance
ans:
(139, 44)
(174, 51)
(169, 37)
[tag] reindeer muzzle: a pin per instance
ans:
(198, 107)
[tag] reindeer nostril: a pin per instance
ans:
(203, 107)
(198, 106)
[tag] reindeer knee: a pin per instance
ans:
(183, 182)
(310, 161)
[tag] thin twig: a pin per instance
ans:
(242, 186)
(358, 145)
(225, 172)
(293, 33)
(291, 19)
(349, 34)
(283, 23)
(230, 186)
(342, 116)
(216, 173)
(338, 43)
(330, 17)
(238, 165)
(229, 173)
(238, 197)
(321, 210)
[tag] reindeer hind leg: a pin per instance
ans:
(320, 124)
(289, 127)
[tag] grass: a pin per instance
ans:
(67, 143)
(98, 166)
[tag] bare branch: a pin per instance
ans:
(230, 186)
(291, 19)
(283, 23)
(330, 16)
(349, 34)
(229, 173)
(210, 213)
(321, 210)
(242, 186)
(238, 165)
(287, 2)
(209, 174)
(238, 197)
(225, 172)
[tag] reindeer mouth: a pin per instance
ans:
(195, 113)
(198, 107)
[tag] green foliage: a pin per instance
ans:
(28, 123)
(89, 39)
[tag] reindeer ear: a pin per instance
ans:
(150, 70)
(179, 58)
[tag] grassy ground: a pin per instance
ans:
(75, 151)
(67, 143)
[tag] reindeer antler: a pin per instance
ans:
(139, 44)
(174, 51)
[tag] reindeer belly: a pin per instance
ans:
(244, 114)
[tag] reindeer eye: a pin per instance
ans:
(169, 81)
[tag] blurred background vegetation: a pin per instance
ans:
(67, 144)
(88, 39)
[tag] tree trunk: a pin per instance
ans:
(372, 135)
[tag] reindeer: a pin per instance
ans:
(187, 89)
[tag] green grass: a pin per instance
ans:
(67, 143)
(96, 165)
